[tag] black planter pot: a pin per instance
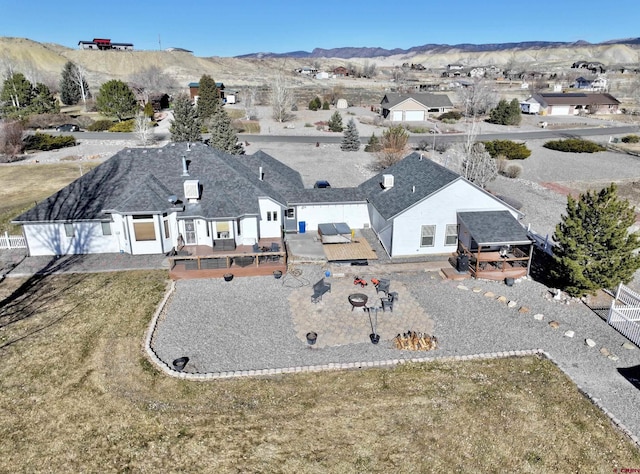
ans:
(180, 363)
(228, 276)
(311, 338)
(375, 338)
(277, 274)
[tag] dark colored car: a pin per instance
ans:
(322, 184)
(68, 127)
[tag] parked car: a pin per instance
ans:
(322, 184)
(68, 127)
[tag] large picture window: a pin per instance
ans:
(427, 235)
(144, 231)
(451, 235)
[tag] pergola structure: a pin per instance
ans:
(495, 244)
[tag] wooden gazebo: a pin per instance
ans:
(495, 244)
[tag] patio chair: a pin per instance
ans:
(383, 286)
(387, 303)
(275, 247)
(256, 248)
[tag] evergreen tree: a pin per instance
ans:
(595, 249)
(351, 138)
(223, 136)
(70, 92)
(315, 104)
(208, 98)
(325, 105)
(373, 145)
(148, 110)
(117, 100)
(506, 113)
(17, 94)
(186, 125)
(335, 122)
(43, 101)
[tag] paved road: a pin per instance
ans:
(415, 139)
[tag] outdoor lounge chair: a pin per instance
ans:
(383, 286)
(387, 303)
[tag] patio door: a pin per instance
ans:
(189, 232)
(290, 224)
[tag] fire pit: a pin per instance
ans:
(358, 300)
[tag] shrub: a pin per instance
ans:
(125, 126)
(512, 170)
(450, 116)
(418, 129)
(315, 103)
(100, 126)
(308, 125)
(574, 145)
(45, 142)
(631, 139)
(507, 148)
(325, 105)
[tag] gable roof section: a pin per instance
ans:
(141, 181)
(494, 228)
(427, 176)
(392, 99)
(547, 99)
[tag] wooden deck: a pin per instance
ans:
(358, 249)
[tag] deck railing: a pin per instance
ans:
(12, 241)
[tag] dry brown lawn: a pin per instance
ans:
(22, 185)
(78, 395)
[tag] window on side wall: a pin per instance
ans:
(106, 228)
(451, 235)
(427, 235)
(69, 230)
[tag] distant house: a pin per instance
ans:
(593, 66)
(307, 71)
(413, 107)
(105, 44)
(598, 84)
(179, 50)
(322, 75)
(454, 67)
(341, 71)
(194, 89)
(159, 101)
(575, 103)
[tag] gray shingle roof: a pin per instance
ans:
(494, 228)
(579, 98)
(427, 176)
(141, 180)
(391, 99)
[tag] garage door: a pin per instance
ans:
(560, 110)
(414, 115)
(396, 116)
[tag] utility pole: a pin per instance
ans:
(159, 42)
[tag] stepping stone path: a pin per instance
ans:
(590, 342)
(512, 304)
(605, 352)
(489, 294)
(538, 317)
(569, 333)
(554, 324)
(613, 357)
(462, 287)
(627, 345)
(523, 310)
(502, 299)
(477, 290)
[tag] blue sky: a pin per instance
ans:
(228, 29)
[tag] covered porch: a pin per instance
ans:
(493, 245)
(203, 261)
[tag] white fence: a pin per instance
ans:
(12, 241)
(624, 314)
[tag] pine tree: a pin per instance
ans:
(351, 138)
(117, 99)
(506, 113)
(223, 136)
(595, 249)
(70, 90)
(17, 94)
(186, 125)
(43, 101)
(373, 145)
(335, 122)
(208, 98)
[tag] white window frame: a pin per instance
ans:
(425, 230)
(106, 228)
(451, 231)
(69, 231)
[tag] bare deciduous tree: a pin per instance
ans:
(478, 98)
(281, 99)
(143, 130)
(250, 101)
(393, 146)
(11, 144)
(478, 166)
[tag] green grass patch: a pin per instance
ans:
(75, 383)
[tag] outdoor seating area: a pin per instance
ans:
(201, 261)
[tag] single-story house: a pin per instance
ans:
(154, 201)
(575, 103)
(340, 71)
(194, 90)
(414, 206)
(105, 44)
(597, 84)
(414, 107)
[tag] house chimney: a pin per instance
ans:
(185, 171)
(387, 181)
(260, 174)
